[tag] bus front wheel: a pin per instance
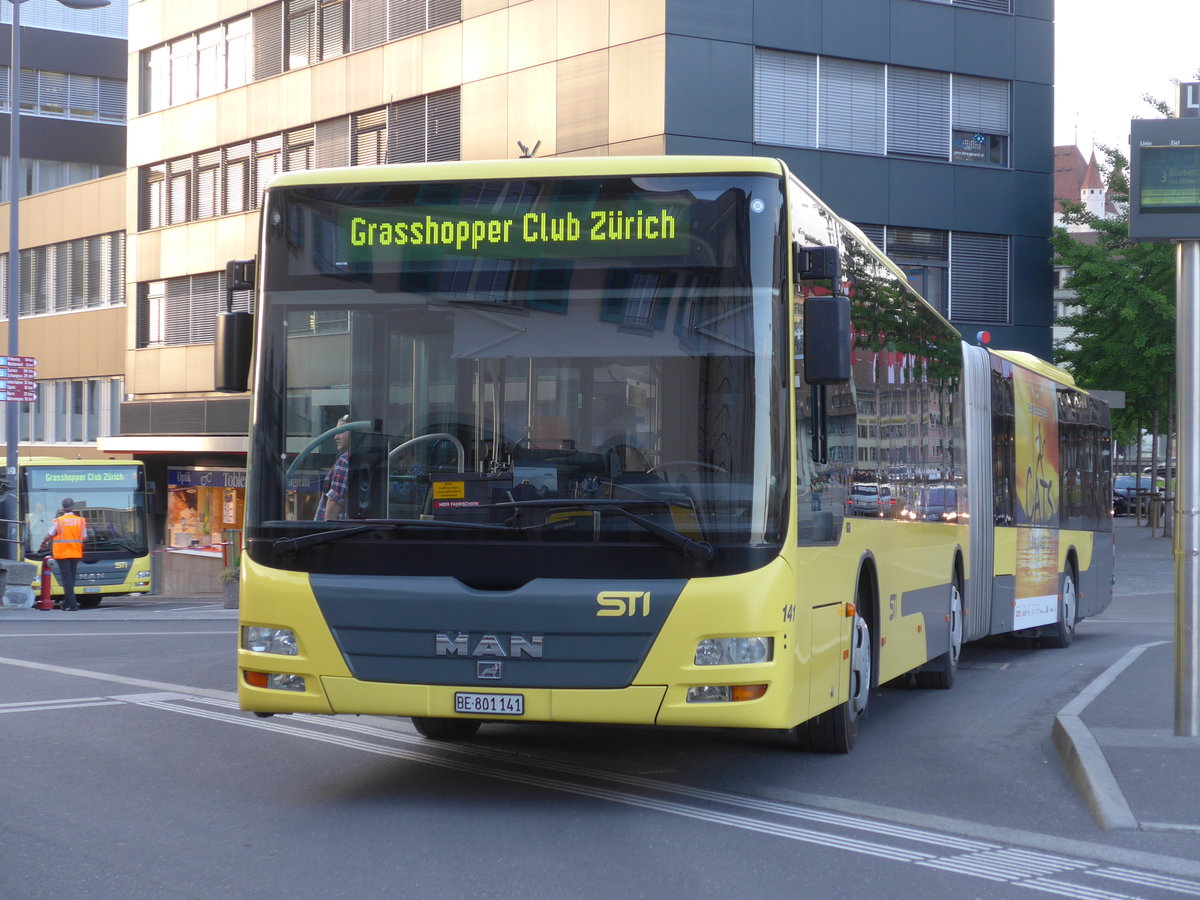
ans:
(836, 731)
(446, 729)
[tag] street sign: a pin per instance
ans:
(18, 360)
(19, 394)
(18, 372)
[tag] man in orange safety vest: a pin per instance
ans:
(68, 533)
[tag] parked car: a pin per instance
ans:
(870, 500)
(1125, 488)
(937, 504)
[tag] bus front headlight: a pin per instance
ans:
(734, 651)
(269, 640)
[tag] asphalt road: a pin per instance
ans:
(129, 772)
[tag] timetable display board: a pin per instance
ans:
(1164, 188)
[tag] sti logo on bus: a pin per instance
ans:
(488, 645)
(623, 603)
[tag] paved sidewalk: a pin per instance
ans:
(140, 607)
(1117, 738)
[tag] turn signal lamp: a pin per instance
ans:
(277, 681)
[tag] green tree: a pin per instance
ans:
(1123, 324)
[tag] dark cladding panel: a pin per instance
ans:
(710, 88)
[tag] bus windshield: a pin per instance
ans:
(535, 361)
(110, 498)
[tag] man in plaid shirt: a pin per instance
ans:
(333, 488)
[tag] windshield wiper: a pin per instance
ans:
(292, 544)
(701, 550)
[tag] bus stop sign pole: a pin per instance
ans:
(1164, 205)
(1187, 495)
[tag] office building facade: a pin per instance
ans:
(926, 122)
(72, 219)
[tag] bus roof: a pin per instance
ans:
(571, 167)
(1036, 364)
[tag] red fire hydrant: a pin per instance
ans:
(45, 601)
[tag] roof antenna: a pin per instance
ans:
(526, 152)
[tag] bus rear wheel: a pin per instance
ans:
(836, 731)
(939, 673)
(1062, 632)
(446, 729)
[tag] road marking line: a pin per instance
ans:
(184, 699)
(59, 634)
(1016, 866)
(116, 679)
(44, 705)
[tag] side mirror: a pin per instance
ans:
(231, 358)
(234, 332)
(827, 340)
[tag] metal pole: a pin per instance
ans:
(12, 421)
(1187, 496)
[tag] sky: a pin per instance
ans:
(1107, 54)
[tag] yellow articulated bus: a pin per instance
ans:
(631, 440)
(111, 495)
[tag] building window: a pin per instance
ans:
(979, 277)
(61, 95)
(370, 138)
(980, 121)
(964, 276)
(374, 22)
(74, 411)
(850, 114)
(1003, 6)
(418, 130)
(87, 273)
(210, 62)
(176, 311)
(802, 100)
(918, 107)
(924, 255)
(274, 38)
(785, 98)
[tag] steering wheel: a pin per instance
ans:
(426, 438)
(361, 425)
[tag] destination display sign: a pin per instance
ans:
(630, 227)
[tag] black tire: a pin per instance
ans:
(836, 731)
(89, 602)
(1062, 632)
(446, 729)
(938, 674)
